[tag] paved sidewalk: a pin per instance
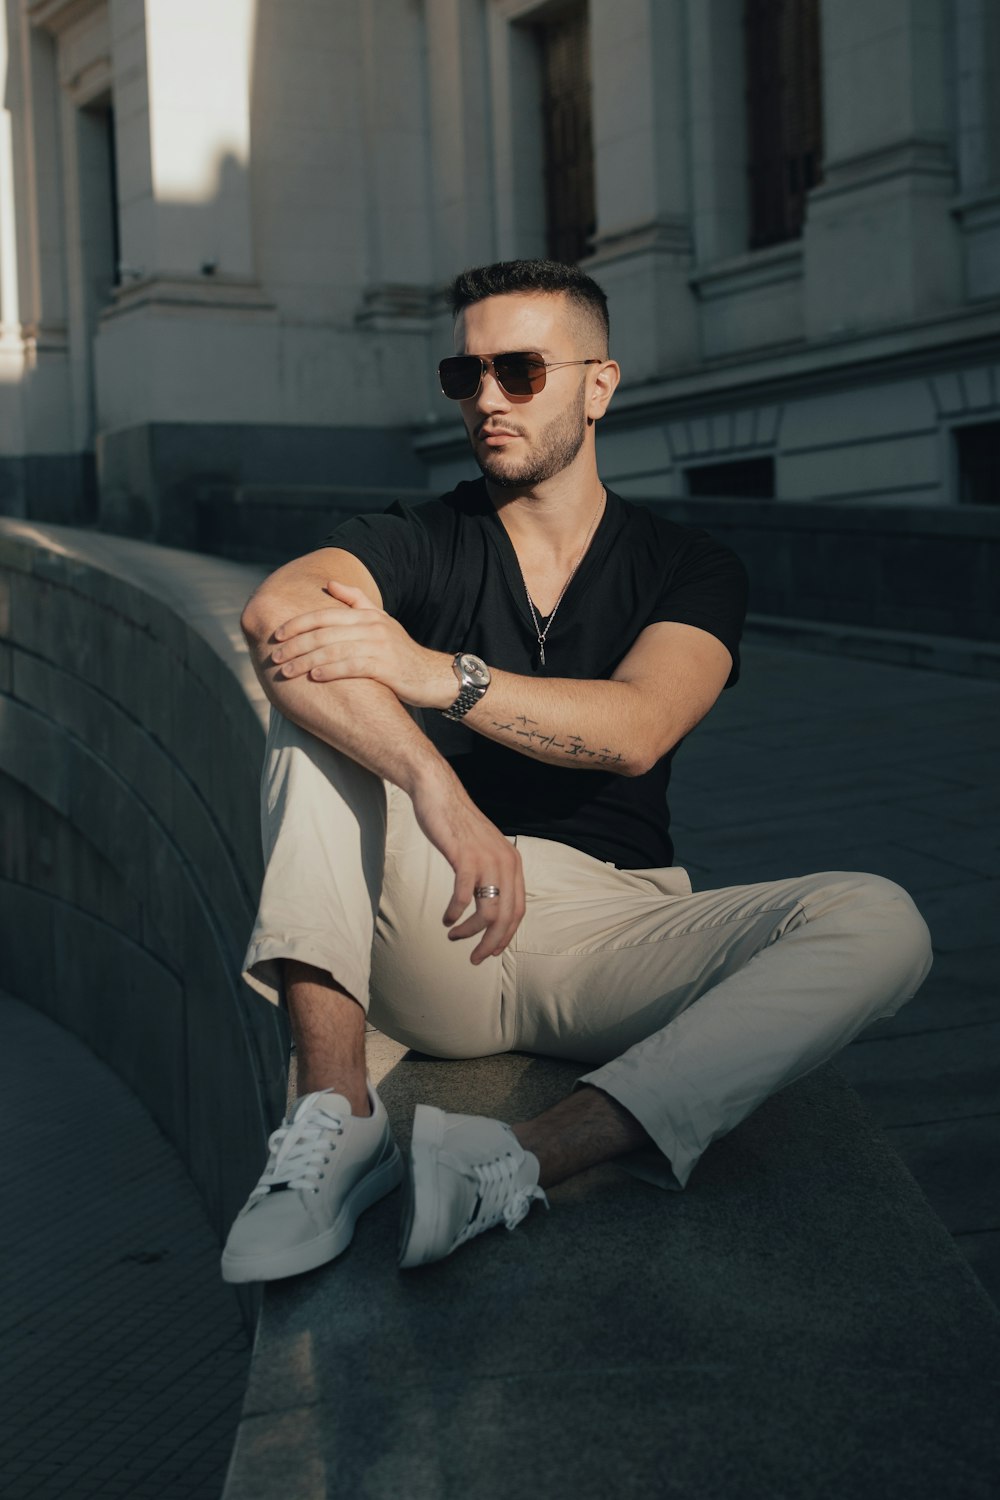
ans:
(125, 1357)
(816, 762)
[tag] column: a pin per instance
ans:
(461, 146)
(718, 122)
(396, 157)
(881, 243)
(641, 143)
(977, 71)
(11, 348)
(10, 298)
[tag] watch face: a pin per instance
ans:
(477, 671)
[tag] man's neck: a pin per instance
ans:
(553, 517)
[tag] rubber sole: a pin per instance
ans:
(293, 1260)
(419, 1230)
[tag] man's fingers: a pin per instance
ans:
(360, 651)
(461, 896)
(489, 947)
(349, 594)
(316, 619)
(482, 859)
(468, 888)
(350, 658)
(469, 927)
(498, 932)
(484, 916)
(333, 631)
(496, 917)
(495, 933)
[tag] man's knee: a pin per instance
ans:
(428, 996)
(898, 937)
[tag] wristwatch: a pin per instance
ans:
(474, 678)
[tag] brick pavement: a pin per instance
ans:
(125, 1357)
(818, 762)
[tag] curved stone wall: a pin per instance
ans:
(131, 734)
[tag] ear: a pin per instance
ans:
(603, 384)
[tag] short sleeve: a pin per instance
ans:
(706, 586)
(394, 547)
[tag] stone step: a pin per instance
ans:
(796, 1323)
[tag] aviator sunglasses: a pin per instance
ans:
(520, 374)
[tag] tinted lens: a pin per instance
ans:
(460, 376)
(520, 374)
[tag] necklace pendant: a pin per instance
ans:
(552, 613)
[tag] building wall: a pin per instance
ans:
(297, 182)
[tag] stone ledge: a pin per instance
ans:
(905, 648)
(796, 1323)
(131, 733)
(925, 571)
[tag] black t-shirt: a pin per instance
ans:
(448, 572)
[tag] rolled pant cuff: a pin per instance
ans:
(265, 955)
(672, 1162)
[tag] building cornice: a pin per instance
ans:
(208, 294)
(58, 15)
(830, 361)
(919, 157)
(670, 236)
(919, 348)
(398, 306)
(978, 210)
(746, 273)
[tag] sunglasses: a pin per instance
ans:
(521, 374)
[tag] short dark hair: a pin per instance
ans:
(507, 276)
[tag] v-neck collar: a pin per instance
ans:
(600, 543)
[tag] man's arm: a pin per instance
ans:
(363, 719)
(367, 721)
(657, 694)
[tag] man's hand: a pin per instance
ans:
(363, 717)
(479, 855)
(328, 645)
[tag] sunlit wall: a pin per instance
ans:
(226, 231)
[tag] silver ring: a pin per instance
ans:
(486, 891)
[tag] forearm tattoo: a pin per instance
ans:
(572, 747)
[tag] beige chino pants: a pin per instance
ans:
(689, 1009)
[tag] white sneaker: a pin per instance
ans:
(326, 1166)
(467, 1173)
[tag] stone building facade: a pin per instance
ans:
(226, 229)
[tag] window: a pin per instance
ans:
(564, 46)
(116, 244)
(978, 449)
(784, 114)
(740, 479)
(100, 231)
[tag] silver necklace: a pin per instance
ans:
(539, 632)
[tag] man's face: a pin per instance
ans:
(521, 441)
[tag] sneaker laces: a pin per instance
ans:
(500, 1196)
(299, 1150)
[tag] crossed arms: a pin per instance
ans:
(331, 660)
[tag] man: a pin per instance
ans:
(476, 705)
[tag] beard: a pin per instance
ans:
(554, 450)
